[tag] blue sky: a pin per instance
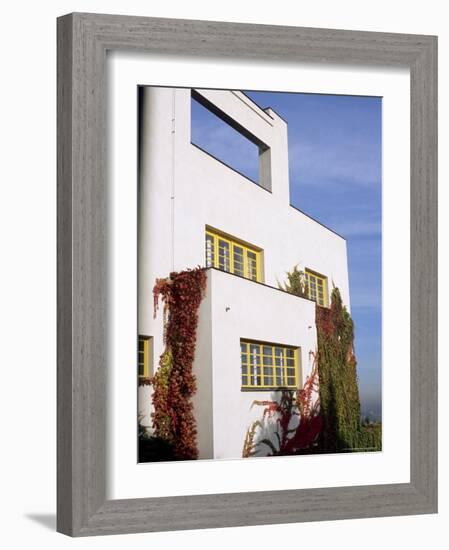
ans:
(335, 177)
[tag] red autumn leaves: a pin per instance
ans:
(174, 382)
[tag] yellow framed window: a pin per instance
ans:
(317, 287)
(144, 356)
(268, 366)
(229, 254)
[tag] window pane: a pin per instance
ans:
(252, 265)
(268, 376)
(226, 254)
(141, 356)
(279, 377)
(316, 288)
(238, 260)
(256, 378)
(223, 255)
(238, 253)
(210, 252)
(265, 371)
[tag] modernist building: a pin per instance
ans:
(194, 210)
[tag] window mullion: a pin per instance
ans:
(296, 363)
(284, 359)
(245, 263)
(215, 251)
(245, 366)
(253, 367)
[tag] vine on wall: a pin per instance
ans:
(339, 392)
(297, 422)
(174, 383)
(296, 283)
(333, 424)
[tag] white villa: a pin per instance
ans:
(194, 210)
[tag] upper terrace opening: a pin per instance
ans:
(222, 137)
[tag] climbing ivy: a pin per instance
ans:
(296, 283)
(342, 429)
(339, 391)
(297, 422)
(174, 382)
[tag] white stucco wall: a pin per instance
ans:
(145, 407)
(203, 405)
(206, 192)
(183, 189)
(242, 309)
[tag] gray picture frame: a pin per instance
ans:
(83, 40)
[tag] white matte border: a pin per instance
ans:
(126, 478)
